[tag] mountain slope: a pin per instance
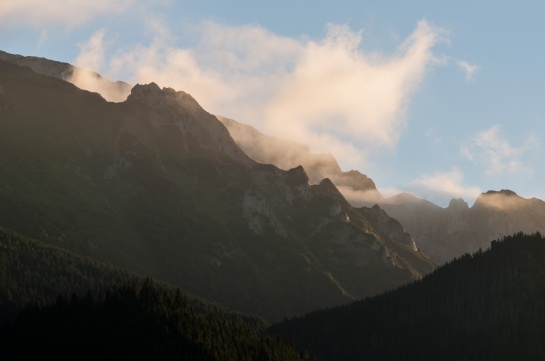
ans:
(155, 184)
(488, 306)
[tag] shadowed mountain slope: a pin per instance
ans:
(157, 185)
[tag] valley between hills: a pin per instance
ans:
(205, 232)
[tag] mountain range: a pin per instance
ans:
(441, 233)
(156, 184)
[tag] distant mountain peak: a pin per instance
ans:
(298, 176)
(153, 95)
(503, 192)
(327, 187)
(458, 204)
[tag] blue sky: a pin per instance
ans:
(442, 99)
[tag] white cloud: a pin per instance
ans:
(329, 94)
(92, 52)
(489, 149)
(444, 185)
(469, 69)
(90, 59)
(338, 90)
(41, 13)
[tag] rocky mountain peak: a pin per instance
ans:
(502, 199)
(155, 97)
(355, 180)
(145, 91)
(297, 176)
(171, 110)
(503, 192)
(458, 204)
(327, 187)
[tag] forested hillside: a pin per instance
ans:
(485, 306)
(31, 271)
(134, 323)
(36, 273)
(55, 304)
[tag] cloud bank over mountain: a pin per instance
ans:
(403, 100)
(328, 93)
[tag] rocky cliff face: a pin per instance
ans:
(157, 185)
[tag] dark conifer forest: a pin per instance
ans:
(485, 306)
(57, 305)
(133, 322)
(32, 272)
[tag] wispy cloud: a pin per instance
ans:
(91, 59)
(327, 93)
(469, 69)
(447, 185)
(58, 12)
(498, 157)
(92, 53)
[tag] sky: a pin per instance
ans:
(438, 98)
